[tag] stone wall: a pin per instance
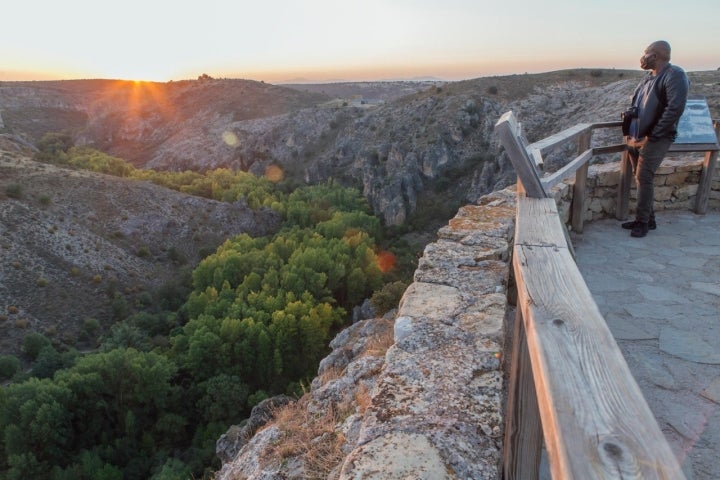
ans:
(676, 184)
(437, 409)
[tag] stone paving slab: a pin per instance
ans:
(660, 296)
(690, 345)
(712, 392)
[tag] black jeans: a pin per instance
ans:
(645, 162)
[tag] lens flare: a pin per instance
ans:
(274, 173)
(386, 261)
(230, 139)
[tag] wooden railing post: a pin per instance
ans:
(523, 428)
(578, 202)
(626, 178)
(508, 130)
(705, 184)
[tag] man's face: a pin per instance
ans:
(648, 60)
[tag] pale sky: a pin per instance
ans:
(351, 40)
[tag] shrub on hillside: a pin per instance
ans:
(14, 190)
(90, 328)
(9, 366)
(33, 343)
(388, 297)
(97, 161)
(53, 147)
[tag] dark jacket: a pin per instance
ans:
(662, 107)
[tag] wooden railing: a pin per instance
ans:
(569, 382)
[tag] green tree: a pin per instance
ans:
(37, 424)
(388, 297)
(97, 161)
(9, 366)
(202, 358)
(173, 469)
(223, 399)
(118, 398)
(50, 361)
(33, 343)
(126, 335)
(53, 147)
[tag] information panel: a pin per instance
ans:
(695, 124)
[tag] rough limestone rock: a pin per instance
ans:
(402, 456)
(230, 443)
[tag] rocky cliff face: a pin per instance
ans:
(433, 144)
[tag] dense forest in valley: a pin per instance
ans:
(252, 320)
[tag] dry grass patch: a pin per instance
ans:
(362, 398)
(314, 438)
(379, 343)
(311, 437)
(329, 374)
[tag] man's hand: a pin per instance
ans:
(633, 142)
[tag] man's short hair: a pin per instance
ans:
(662, 49)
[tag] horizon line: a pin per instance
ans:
(19, 76)
(303, 80)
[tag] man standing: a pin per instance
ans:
(658, 103)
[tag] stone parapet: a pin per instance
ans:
(437, 409)
(676, 184)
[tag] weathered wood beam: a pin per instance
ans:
(597, 125)
(694, 147)
(537, 158)
(508, 130)
(523, 430)
(566, 171)
(623, 194)
(547, 144)
(618, 147)
(577, 218)
(595, 420)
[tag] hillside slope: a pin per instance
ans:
(409, 151)
(72, 241)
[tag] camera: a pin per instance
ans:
(627, 116)
(631, 112)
